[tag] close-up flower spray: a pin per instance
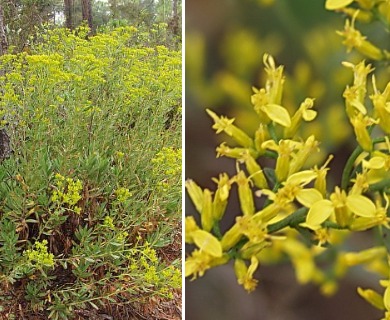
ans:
(287, 208)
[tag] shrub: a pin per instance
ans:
(83, 217)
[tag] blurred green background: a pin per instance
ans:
(225, 42)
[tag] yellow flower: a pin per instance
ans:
(284, 149)
(304, 151)
(354, 39)
(342, 206)
(372, 297)
(200, 261)
(245, 194)
(224, 124)
(190, 226)
(195, 193)
(221, 195)
(381, 102)
(244, 274)
(360, 124)
(304, 112)
(355, 96)
(255, 171)
(207, 242)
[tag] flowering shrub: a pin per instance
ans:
(286, 206)
(80, 204)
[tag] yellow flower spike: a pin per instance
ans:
(207, 243)
(261, 135)
(361, 206)
(304, 112)
(221, 196)
(255, 171)
(337, 4)
(372, 297)
(195, 193)
(224, 124)
(300, 158)
(245, 194)
(191, 226)
(318, 213)
(354, 39)
(207, 214)
(360, 124)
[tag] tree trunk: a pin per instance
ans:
(68, 9)
(114, 9)
(86, 9)
(174, 21)
(3, 36)
(5, 149)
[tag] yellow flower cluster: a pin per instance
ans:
(67, 192)
(39, 256)
(167, 167)
(123, 194)
(146, 262)
(297, 207)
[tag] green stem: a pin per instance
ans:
(272, 132)
(349, 166)
(292, 220)
(217, 230)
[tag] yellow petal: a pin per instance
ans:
(308, 197)
(207, 242)
(361, 205)
(302, 177)
(386, 298)
(191, 226)
(309, 115)
(374, 163)
(319, 212)
(337, 4)
(372, 297)
(277, 114)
